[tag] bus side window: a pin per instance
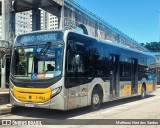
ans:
(75, 58)
(75, 62)
(70, 61)
(79, 62)
(125, 66)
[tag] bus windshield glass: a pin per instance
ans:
(41, 59)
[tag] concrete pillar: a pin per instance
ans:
(12, 23)
(3, 21)
(61, 17)
(3, 69)
(36, 19)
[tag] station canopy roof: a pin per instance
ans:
(50, 6)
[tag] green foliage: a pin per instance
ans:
(152, 46)
(22, 66)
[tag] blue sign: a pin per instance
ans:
(39, 37)
(34, 76)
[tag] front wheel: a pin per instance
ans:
(96, 99)
(143, 92)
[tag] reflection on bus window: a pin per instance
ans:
(35, 60)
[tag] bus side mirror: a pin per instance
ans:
(3, 60)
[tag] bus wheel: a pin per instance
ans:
(96, 99)
(143, 92)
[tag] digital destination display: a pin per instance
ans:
(40, 37)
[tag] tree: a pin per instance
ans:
(152, 46)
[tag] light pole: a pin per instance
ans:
(159, 23)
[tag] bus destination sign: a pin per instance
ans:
(39, 37)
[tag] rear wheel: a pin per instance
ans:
(96, 99)
(143, 92)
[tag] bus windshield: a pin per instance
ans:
(39, 61)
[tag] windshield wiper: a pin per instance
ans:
(45, 48)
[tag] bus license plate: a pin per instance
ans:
(29, 105)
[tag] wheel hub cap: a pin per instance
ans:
(95, 99)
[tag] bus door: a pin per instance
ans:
(134, 75)
(114, 76)
(75, 80)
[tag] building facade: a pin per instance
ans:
(23, 23)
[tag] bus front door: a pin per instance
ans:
(134, 76)
(114, 76)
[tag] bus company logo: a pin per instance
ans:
(6, 122)
(85, 90)
(21, 97)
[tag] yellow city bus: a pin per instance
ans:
(65, 70)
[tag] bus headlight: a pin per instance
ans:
(56, 91)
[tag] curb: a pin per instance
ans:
(4, 98)
(158, 86)
(5, 109)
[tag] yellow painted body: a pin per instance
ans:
(126, 89)
(149, 87)
(37, 95)
(139, 88)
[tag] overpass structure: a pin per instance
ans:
(72, 16)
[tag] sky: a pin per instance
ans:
(136, 18)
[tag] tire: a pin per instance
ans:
(143, 92)
(96, 99)
(15, 108)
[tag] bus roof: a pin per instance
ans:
(115, 44)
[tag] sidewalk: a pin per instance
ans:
(4, 96)
(158, 86)
(5, 109)
(4, 90)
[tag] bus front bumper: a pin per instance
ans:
(58, 103)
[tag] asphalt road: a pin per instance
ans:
(130, 108)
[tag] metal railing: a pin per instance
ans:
(94, 16)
